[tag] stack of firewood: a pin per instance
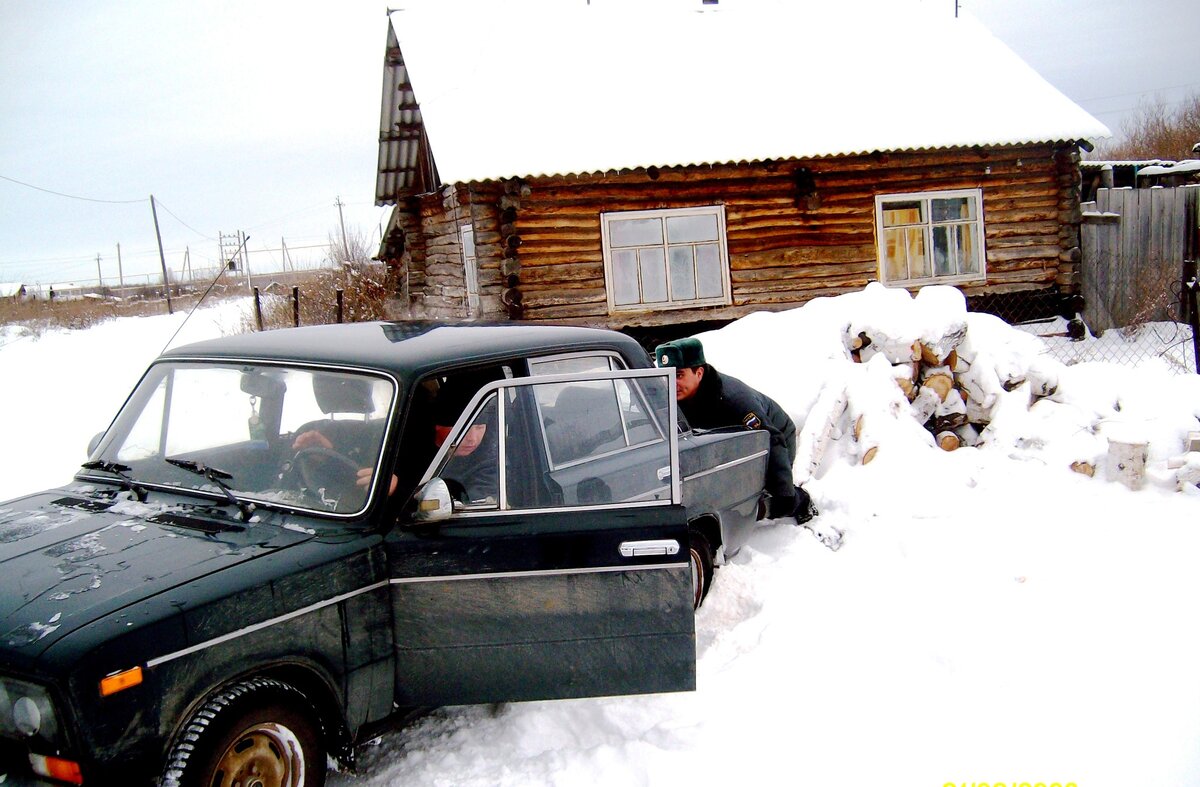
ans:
(952, 391)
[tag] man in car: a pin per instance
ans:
(709, 399)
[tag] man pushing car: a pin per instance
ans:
(709, 399)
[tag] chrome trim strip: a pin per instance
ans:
(264, 624)
(532, 574)
(718, 468)
(624, 504)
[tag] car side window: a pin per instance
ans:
(599, 439)
(471, 466)
(575, 364)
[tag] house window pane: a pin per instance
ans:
(673, 257)
(955, 209)
(896, 258)
(683, 275)
(897, 214)
(943, 258)
(931, 237)
(710, 281)
(625, 277)
(654, 275)
(635, 232)
(918, 260)
(968, 258)
(689, 229)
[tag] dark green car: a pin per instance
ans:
(287, 540)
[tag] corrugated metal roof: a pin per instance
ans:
(583, 89)
(405, 162)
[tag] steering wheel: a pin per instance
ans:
(323, 468)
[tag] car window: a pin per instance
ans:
(471, 466)
(593, 440)
(575, 364)
(271, 433)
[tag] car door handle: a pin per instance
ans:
(663, 546)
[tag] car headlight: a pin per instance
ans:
(26, 712)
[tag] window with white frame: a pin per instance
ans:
(470, 268)
(930, 237)
(665, 259)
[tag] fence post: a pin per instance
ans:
(339, 305)
(258, 309)
(1193, 313)
(296, 306)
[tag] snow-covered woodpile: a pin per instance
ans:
(881, 378)
(952, 394)
(952, 387)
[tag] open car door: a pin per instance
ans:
(556, 566)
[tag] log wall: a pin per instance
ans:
(796, 229)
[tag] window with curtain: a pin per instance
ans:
(930, 237)
(665, 259)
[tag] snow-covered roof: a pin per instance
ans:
(1184, 167)
(580, 88)
(1102, 163)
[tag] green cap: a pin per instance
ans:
(682, 354)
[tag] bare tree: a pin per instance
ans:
(1156, 131)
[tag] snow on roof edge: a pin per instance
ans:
(739, 162)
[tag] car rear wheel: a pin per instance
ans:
(257, 733)
(700, 555)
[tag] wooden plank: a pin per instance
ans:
(803, 272)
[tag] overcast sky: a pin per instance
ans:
(256, 116)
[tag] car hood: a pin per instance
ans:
(69, 557)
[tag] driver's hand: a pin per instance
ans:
(364, 479)
(312, 439)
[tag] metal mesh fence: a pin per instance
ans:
(1156, 332)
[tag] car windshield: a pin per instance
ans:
(303, 438)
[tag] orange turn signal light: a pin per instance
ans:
(119, 681)
(56, 768)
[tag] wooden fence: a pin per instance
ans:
(1136, 245)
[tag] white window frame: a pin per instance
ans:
(977, 225)
(725, 299)
(466, 238)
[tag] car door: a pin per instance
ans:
(538, 584)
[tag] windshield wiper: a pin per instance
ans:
(120, 471)
(217, 477)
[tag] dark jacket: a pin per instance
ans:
(722, 400)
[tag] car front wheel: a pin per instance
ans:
(259, 732)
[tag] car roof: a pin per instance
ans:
(407, 349)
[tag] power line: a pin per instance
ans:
(184, 223)
(1142, 92)
(74, 196)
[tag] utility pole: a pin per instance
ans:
(99, 276)
(161, 257)
(245, 247)
(342, 220)
(120, 270)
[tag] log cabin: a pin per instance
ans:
(682, 167)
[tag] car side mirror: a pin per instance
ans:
(433, 502)
(93, 443)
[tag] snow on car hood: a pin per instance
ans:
(68, 557)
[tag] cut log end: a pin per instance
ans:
(948, 441)
(1084, 468)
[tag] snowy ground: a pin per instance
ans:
(992, 617)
